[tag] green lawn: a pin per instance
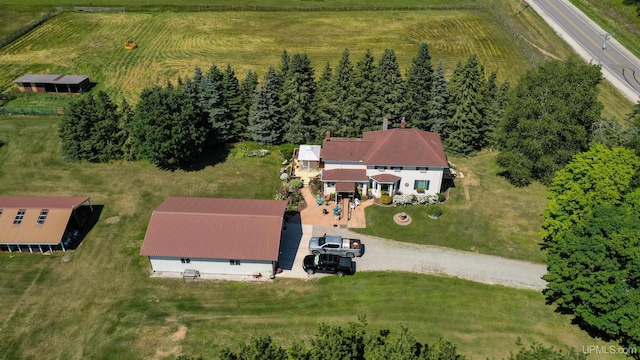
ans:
(98, 302)
(484, 214)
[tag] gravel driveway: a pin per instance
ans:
(388, 255)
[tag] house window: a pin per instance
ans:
(234, 262)
(19, 217)
(43, 216)
(423, 169)
(381, 168)
(396, 168)
(185, 261)
(421, 184)
(330, 184)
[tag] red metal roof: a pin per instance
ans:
(358, 175)
(30, 231)
(211, 228)
(386, 178)
(401, 147)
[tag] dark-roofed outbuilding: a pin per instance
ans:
(39, 224)
(53, 83)
(215, 236)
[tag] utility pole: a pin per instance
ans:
(604, 43)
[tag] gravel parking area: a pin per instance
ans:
(388, 255)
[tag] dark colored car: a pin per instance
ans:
(327, 263)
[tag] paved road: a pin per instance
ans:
(388, 255)
(619, 66)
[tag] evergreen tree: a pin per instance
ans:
(495, 101)
(420, 82)
(265, 115)
(345, 90)
(368, 116)
(439, 102)
(327, 104)
(216, 75)
(213, 106)
(390, 87)
(233, 98)
(467, 129)
(124, 134)
(285, 65)
(299, 99)
(247, 91)
(167, 129)
(89, 130)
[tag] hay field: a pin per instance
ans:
(171, 44)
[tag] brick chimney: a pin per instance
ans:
(403, 124)
(385, 123)
(327, 136)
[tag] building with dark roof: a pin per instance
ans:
(408, 160)
(53, 83)
(215, 236)
(40, 224)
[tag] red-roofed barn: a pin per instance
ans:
(215, 236)
(408, 160)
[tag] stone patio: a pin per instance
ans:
(313, 214)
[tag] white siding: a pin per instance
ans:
(409, 176)
(332, 165)
(211, 266)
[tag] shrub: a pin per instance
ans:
(315, 185)
(284, 176)
(384, 193)
(434, 211)
(441, 197)
(401, 200)
(295, 184)
(385, 199)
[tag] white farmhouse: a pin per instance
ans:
(215, 236)
(408, 160)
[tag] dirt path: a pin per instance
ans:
(382, 254)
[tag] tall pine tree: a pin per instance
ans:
(327, 104)
(368, 116)
(299, 92)
(390, 87)
(420, 78)
(265, 115)
(345, 89)
(439, 102)
(466, 128)
(247, 92)
(233, 97)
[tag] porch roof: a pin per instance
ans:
(386, 178)
(357, 175)
(346, 187)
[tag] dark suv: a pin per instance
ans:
(327, 263)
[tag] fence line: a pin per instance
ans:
(25, 29)
(31, 111)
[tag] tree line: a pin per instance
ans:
(172, 125)
(355, 341)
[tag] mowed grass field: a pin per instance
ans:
(98, 302)
(172, 44)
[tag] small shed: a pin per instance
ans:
(53, 83)
(309, 157)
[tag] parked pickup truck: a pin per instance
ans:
(335, 244)
(325, 263)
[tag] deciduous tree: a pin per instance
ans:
(548, 119)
